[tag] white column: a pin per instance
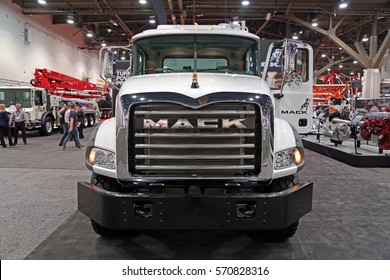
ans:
(371, 83)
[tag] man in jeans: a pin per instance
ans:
(73, 131)
(19, 118)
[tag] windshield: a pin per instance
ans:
(215, 54)
(13, 96)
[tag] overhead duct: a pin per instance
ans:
(159, 9)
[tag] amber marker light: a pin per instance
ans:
(298, 156)
(92, 155)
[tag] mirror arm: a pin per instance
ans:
(279, 95)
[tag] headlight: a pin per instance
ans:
(102, 158)
(288, 158)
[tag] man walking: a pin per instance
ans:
(19, 118)
(73, 131)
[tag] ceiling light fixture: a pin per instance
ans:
(343, 4)
(355, 61)
(143, 2)
(340, 66)
(89, 34)
(113, 22)
(70, 19)
(152, 20)
(245, 3)
(42, 2)
(295, 36)
(323, 55)
(103, 44)
(365, 38)
(314, 22)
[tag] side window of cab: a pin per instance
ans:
(38, 98)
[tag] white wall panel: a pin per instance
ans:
(54, 47)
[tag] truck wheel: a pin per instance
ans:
(85, 121)
(98, 229)
(282, 184)
(105, 183)
(47, 127)
(108, 232)
(283, 234)
(279, 235)
(91, 120)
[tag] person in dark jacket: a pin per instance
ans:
(80, 121)
(4, 127)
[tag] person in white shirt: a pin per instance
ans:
(19, 119)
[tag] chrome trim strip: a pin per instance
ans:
(194, 167)
(194, 157)
(194, 135)
(194, 112)
(193, 146)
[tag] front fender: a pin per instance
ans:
(284, 135)
(103, 137)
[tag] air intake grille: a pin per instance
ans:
(216, 140)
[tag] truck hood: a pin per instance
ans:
(181, 83)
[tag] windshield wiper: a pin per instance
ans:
(226, 69)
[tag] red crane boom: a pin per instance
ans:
(65, 86)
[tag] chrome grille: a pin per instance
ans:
(216, 140)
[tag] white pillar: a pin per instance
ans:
(371, 83)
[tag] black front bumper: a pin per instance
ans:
(194, 211)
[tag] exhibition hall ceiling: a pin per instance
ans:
(114, 22)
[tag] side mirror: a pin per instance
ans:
(290, 77)
(290, 57)
(108, 60)
(108, 64)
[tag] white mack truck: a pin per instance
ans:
(201, 139)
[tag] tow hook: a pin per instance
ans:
(246, 209)
(143, 209)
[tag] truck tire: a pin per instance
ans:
(282, 184)
(91, 120)
(85, 121)
(108, 232)
(278, 235)
(47, 127)
(283, 234)
(105, 183)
